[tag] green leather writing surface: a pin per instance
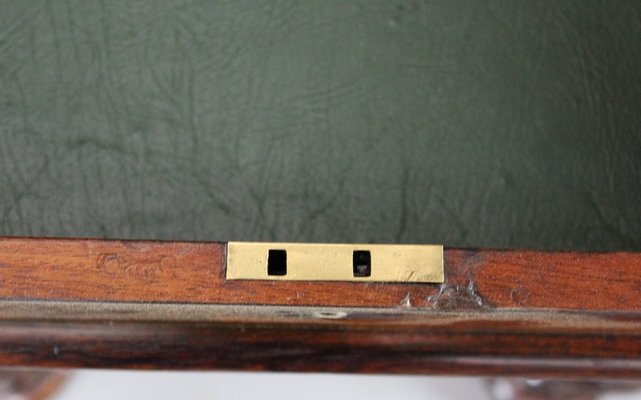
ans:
(503, 124)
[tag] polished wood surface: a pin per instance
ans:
(166, 305)
(192, 272)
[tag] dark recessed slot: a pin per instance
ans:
(277, 262)
(362, 263)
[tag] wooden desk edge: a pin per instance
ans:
(166, 305)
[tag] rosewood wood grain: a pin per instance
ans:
(166, 305)
(190, 272)
(267, 338)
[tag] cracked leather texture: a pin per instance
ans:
(498, 124)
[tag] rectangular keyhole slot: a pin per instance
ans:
(277, 262)
(362, 263)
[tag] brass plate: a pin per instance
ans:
(335, 262)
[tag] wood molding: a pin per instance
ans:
(166, 305)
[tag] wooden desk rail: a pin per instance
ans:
(167, 305)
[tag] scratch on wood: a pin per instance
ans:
(406, 301)
(453, 296)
